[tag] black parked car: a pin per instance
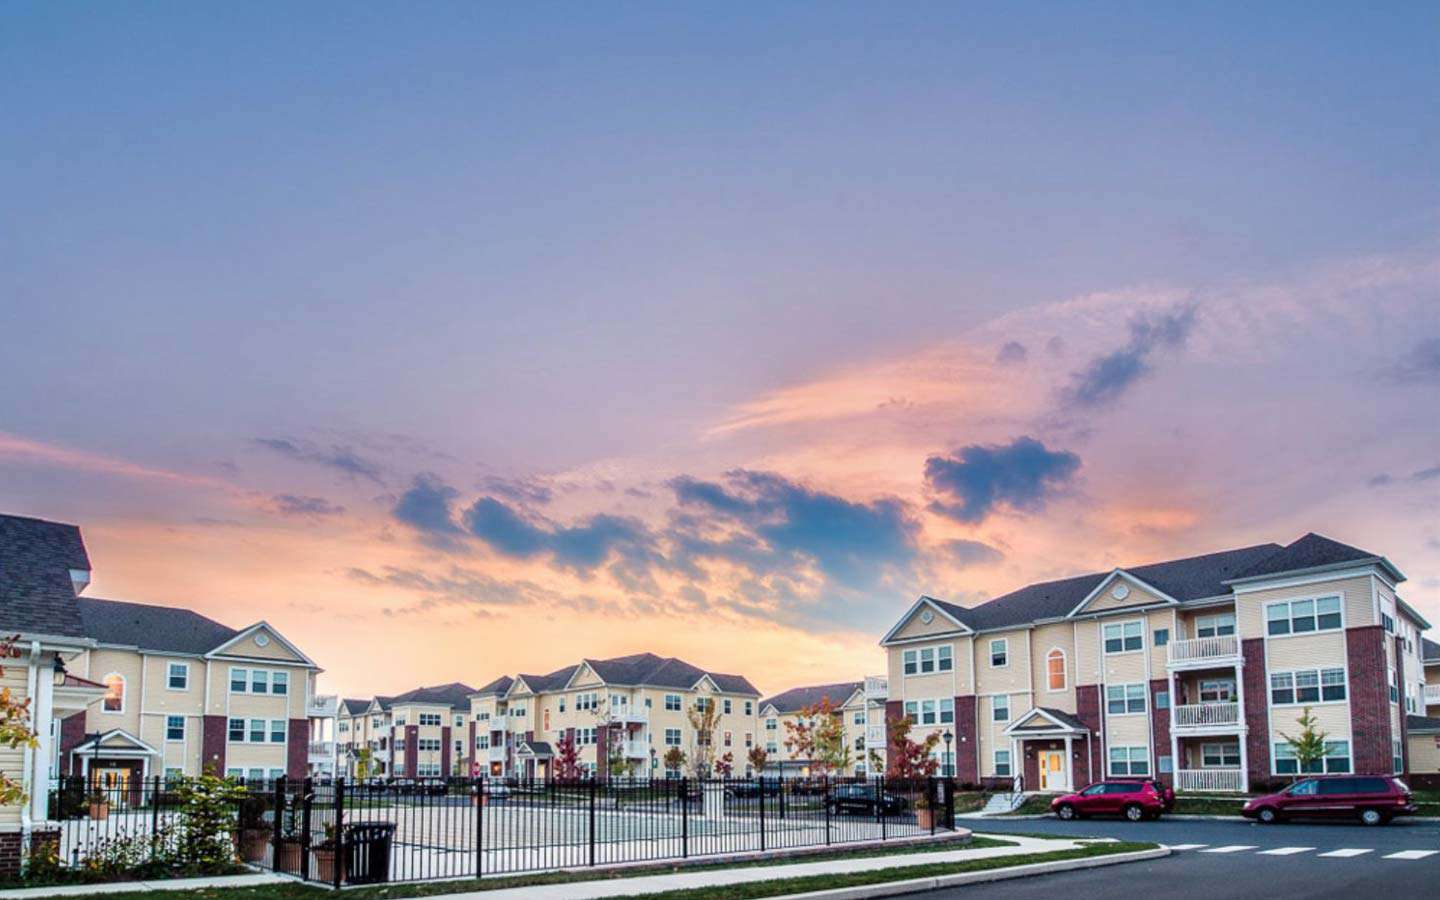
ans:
(741, 790)
(861, 799)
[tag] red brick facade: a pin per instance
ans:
(297, 749)
(1087, 710)
(412, 750)
(894, 712)
(967, 761)
(72, 735)
(446, 751)
(1160, 732)
(1400, 686)
(1257, 710)
(1370, 732)
(472, 756)
(212, 743)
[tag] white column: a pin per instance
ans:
(1244, 729)
(1069, 763)
(43, 708)
(1174, 741)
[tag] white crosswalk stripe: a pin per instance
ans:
(1285, 851)
(1346, 853)
(1187, 846)
(1230, 848)
(1410, 854)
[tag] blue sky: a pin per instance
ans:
(573, 244)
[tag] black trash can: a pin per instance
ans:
(367, 852)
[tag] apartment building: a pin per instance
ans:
(860, 705)
(417, 734)
(638, 706)
(1423, 729)
(1193, 670)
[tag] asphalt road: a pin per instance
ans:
(1239, 859)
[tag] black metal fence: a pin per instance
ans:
(339, 832)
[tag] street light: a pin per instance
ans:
(949, 768)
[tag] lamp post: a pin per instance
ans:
(948, 766)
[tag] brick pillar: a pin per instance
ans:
(212, 744)
(412, 750)
(1257, 711)
(1160, 732)
(967, 757)
(894, 712)
(72, 735)
(1370, 732)
(297, 749)
(1400, 686)
(1030, 764)
(1087, 710)
(445, 751)
(471, 753)
(10, 855)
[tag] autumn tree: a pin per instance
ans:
(758, 759)
(703, 717)
(674, 759)
(908, 758)
(725, 765)
(15, 730)
(818, 735)
(610, 753)
(363, 762)
(567, 758)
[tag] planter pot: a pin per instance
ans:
(325, 863)
(253, 844)
(479, 799)
(925, 818)
(288, 859)
(100, 810)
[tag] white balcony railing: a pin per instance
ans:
(322, 706)
(1432, 695)
(1209, 780)
(1205, 715)
(322, 748)
(628, 713)
(875, 736)
(1206, 649)
(876, 688)
(495, 754)
(635, 749)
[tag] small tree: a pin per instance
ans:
(15, 730)
(610, 755)
(911, 759)
(567, 758)
(363, 761)
(758, 759)
(725, 765)
(703, 717)
(674, 759)
(1309, 747)
(818, 735)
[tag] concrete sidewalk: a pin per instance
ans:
(676, 881)
(158, 884)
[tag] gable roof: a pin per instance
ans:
(1429, 650)
(455, 695)
(354, 706)
(642, 669)
(163, 628)
(798, 698)
(1422, 725)
(1191, 578)
(1046, 719)
(498, 686)
(37, 594)
(1314, 551)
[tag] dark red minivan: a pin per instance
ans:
(1373, 799)
(1134, 799)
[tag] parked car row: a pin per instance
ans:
(1372, 799)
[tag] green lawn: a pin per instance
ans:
(1035, 804)
(298, 891)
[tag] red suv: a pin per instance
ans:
(1373, 799)
(1133, 799)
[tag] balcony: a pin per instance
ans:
(631, 715)
(1199, 653)
(875, 737)
(495, 754)
(322, 706)
(322, 750)
(1432, 695)
(1194, 718)
(1210, 780)
(876, 688)
(635, 749)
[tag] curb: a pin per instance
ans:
(149, 884)
(917, 885)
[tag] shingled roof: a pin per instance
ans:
(1192, 578)
(455, 695)
(498, 686)
(1312, 551)
(799, 698)
(648, 669)
(147, 627)
(37, 594)
(1429, 651)
(354, 706)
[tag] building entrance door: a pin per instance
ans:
(1052, 770)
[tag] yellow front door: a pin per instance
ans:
(1052, 770)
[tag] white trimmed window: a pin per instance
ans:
(1303, 616)
(912, 662)
(1055, 672)
(672, 702)
(114, 701)
(1129, 761)
(1218, 690)
(947, 710)
(1217, 625)
(1335, 761)
(1125, 699)
(1220, 755)
(177, 676)
(1000, 707)
(1307, 686)
(771, 724)
(1124, 637)
(1397, 750)
(672, 737)
(431, 719)
(999, 653)
(1002, 764)
(277, 731)
(945, 658)
(1394, 687)
(927, 660)
(174, 728)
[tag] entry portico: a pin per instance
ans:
(1048, 744)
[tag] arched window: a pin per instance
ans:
(114, 692)
(1055, 669)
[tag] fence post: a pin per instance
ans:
(276, 836)
(341, 860)
(685, 816)
(780, 791)
(479, 825)
(306, 798)
(155, 818)
(762, 813)
(826, 784)
(879, 799)
(931, 800)
(592, 820)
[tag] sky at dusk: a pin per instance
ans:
(465, 339)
